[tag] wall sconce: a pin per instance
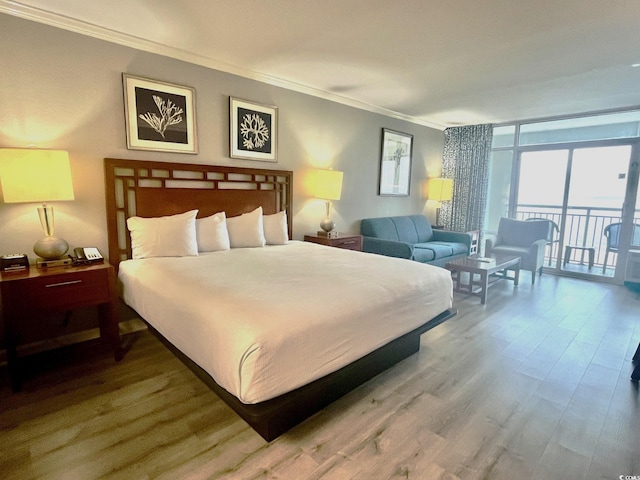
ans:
(33, 175)
(440, 190)
(328, 187)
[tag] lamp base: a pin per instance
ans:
(327, 224)
(51, 248)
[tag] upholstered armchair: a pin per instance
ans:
(524, 239)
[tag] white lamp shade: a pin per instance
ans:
(440, 189)
(328, 184)
(33, 175)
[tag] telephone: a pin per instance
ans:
(86, 255)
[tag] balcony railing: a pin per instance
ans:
(584, 227)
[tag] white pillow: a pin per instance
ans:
(276, 230)
(246, 230)
(212, 233)
(170, 236)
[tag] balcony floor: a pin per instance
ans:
(580, 268)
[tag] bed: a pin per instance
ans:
(278, 332)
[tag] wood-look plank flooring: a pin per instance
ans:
(533, 385)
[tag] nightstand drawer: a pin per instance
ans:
(343, 240)
(351, 243)
(62, 291)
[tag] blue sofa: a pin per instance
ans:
(412, 237)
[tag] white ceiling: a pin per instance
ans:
(438, 63)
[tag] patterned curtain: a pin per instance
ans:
(466, 160)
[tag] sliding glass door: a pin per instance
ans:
(582, 191)
(541, 192)
(581, 173)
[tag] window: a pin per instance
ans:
(576, 172)
(582, 129)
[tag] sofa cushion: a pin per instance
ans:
(409, 229)
(379, 228)
(439, 249)
(406, 229)
(457, 248)
(423, 228)
(443, 249)
(423, 255)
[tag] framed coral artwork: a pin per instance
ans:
(159, 116)
(253, 130)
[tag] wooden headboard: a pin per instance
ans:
(153, 189)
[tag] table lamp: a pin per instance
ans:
(440, 190)
(328, 187)
(34, 175)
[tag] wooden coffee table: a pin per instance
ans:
(471, 274)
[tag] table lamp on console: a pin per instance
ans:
(34, 175)
(328, 187)
(440, 190)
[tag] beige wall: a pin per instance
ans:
(63, 90)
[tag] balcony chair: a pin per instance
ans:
(612, 234)
(553, 236)
(524, 239)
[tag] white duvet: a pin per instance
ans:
(264, 321)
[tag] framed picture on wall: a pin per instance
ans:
(159, 116)
(253, 130)
(395, 163)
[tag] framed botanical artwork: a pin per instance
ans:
(159, 116)
(253, 130)
(395, 163)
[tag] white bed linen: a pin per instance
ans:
(264, 321)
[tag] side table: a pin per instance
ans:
(475, 240)
(24, 295)
(583, 248)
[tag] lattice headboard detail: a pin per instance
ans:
(152, 189)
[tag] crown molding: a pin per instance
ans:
(39, 15)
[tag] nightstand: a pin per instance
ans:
(24, 295)
(343, 240)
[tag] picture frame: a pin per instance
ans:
(253, 130)
(395, 163)
(159, 116)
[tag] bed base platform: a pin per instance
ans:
(272, 418)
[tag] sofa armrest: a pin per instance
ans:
(390, 248)
(447, 236)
